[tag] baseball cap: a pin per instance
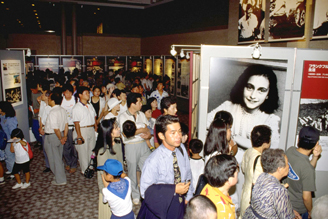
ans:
(112, 166)
(112, 102)
(309, 134)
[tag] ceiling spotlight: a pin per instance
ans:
(36, 13)
(173, 52)
(187, 55)
(28, 52)
(33, 5)
(182, 53)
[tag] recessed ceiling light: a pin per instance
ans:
(36, 13)
(94, 13)
(50, 31)
(37, 17)
(19, 22)
(2, 2)
(34, 10)
(7, 9)
(33, 5)
(98, 9)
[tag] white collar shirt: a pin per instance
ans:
(84, 113)
(57, 119)
(141, 118)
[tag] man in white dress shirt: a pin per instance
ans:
(136, 149)
(84, 117)
(55, 129)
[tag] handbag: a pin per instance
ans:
(29, 150)
(90, 171)
(3, 139)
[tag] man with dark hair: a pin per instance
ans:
(166, 174)
(84, 117)
(69, 153)
(55, 129)
(200, 207)
(169, 106)
(136, 149)
(251, 164)
(159, 93)
(301, 176)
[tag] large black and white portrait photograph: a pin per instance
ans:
(252, 91)
(287, 19)
(320, 20)
(251, 21)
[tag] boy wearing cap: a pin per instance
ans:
(301, 176)
(117, 191)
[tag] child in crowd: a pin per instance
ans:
(113, 108)
(196, 161)
(117, 191)
(222, 173)
(129, 131)
(22, 160)
(146, 109)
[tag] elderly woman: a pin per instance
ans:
(269, 198)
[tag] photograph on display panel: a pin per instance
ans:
(313, 109)
(252, 91)
(287, 19)
(251, 23)
(320, 21)
(69, 64)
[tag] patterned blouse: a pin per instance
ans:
(269, 199)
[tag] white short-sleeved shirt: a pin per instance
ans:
(45, 114)
(123, 109)
(56, 119)
(68, 106)
(119, 206)
(21, 156)
(42, 106)
(111, 115)
(141, 118)
(159, 97)
(85, 114)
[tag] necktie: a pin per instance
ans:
(177, 175)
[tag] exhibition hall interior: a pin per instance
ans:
(240, 64)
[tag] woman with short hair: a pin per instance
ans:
(270, 198)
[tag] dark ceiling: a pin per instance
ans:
(124, 19)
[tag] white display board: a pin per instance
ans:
(12, 81)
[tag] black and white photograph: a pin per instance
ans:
(313, 112)
(320, 20)
(252, 91)
(13, 95)
(251, 23)
(287, 19)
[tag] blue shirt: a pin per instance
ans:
(158, 169)
(8, 124)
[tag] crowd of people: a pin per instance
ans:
(126, 119)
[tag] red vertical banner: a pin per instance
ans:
(315, 80)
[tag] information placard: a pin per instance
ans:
(12, 81)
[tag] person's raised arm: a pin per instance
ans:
(316, 154)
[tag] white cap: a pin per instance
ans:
(112, 102)
(110, 86)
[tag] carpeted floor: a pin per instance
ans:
(77, 199)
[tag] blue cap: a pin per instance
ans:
(112, 166)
